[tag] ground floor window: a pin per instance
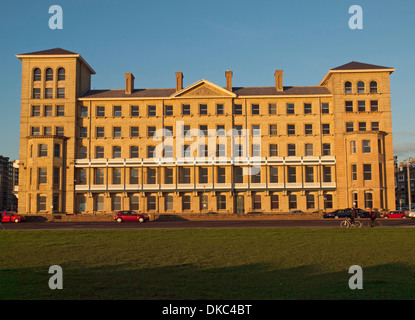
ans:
(328, 201)
(81, 203)
(310, 201)
(134, 202)
(151, 203)
(99, 203)
(221, 202)
(274, 201)
(186, 202)
(168, 202)
(257, 202)
(204, 205)
(116, 203)
(292, 201)
(41, 203)
(368, 200)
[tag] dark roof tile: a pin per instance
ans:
(359, 66)
(57, 51)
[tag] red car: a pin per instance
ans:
(121, 216)
(9, 216)
(399, 214)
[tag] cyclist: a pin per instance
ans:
(372, 216)
(353, 215)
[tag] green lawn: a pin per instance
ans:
(280, 263)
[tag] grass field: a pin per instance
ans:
(280, 263)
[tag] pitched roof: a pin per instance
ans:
(55, 51)
(359, 66)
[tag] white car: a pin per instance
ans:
(410, 214)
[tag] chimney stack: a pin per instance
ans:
(179, 81)
(228, 75)
(129, 83)
(278, 80)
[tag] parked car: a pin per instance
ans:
(9, 216)
(398, 214)
(122, 216)
(410, 214)
(346, 213)
(296, 211)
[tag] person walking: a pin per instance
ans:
(372, 216)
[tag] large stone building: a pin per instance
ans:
(224, 148)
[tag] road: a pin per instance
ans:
(102, 225)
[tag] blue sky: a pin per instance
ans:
(154, 39)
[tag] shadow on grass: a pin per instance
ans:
(189, 282)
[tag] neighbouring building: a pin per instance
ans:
(401, 182)
(229, 149)
(8, 179)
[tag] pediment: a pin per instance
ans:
(203, 88)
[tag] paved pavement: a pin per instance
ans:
(326, 223)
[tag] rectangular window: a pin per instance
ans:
(255, 109)
(35, 111)
(326, 149)
(151, 203)
(117, 111)
(256, 150)
(310, 201)
(328, 201)
(150, 151)
(349, 126)
(35, 131)
(274, 201)
(186, 202)
(41, 203)
(83, 132)
(366, 146)
(203, 175)
(256, 130)
(238, 109)
(151, 111)
(151, 130)
(116, 203)
(368, 200)
(272, 108)
(48, 93)
(134, 202)
(325, 128)
(99, 203)
(134, 111)
(257, 202)
(203, 109)
(291, 150)
(273, 130)
(82, 177)
(291, 174)
(116, 176)
(184, 175)
(353, 146)
(133, 176)
(43, 175)
(203, 130)
(43, 150)
(47, 131)
(100, 131)
(203, 150)
(220, 109)
(309, 174)
(100, 111)
(116, 152)
(290, 108)
(48, 111)
(367, 172)
(221, 202)
(134, 133)
(238, 175)
(307, 108)
(361, 106)
(273, 174)
(186, 109)
(133, 151)
(57, 150)
(168, 205)
(168, 175)
(116, 132)
(374, 105)
(291, 129)
(325, 108)
(151, 176)
(349, 106)
(308, 129)
(221, 174)
(273, 150)
(292, 201)
(326, 174)
(375, 126)
(308, 149)
(36, 93)
(60, 131)
(168, 111)
(99, 152)
(60, 111)
(61, 93)
(362, 126)
(354, 172)
(220, 150)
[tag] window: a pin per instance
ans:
(221, 202)
(43, 175)
(308, 149)
(309, 174)
(186, 202)
(150, 151)
(375, 126)
(61, 93)
(367, 172)
(184, 175)
(348, 87)
(81, 203)
(374, 105)
(99, 152)
(257, 202)
(168, 151)
(41, 203)
(274, 201)
(116, 176)
(116, 152)
(255, 175)
(151, 203)
(134, 132)
(255, 109)
(43, 150)
(168, 175)
(353, 146)
(61, 74)
(307, 108)
(291, 174)
(60, 111)
(116, 203)
(151, 130)
(83, 132)
(221, 174)
(308, 129)
(290, 108)
(83, 112)
(49, 74)
(366, 146)
(168, 111)
(220, 130)
(117, 111)
(220, 109)
(151, 176)
(99, 203)
(100, 132)
(310, 201)
(116, 133)
(291, 150)
(292, 201)
(368, 200)
(203, 175)
(354, 172)
(349, 106)
(238, 150)
(82, 152)
(361, 106)
(291, 129)
(326, 174)
(326, 149)
(203, 150)
(238, 175)
(37, 74)
(82, 177)
(328, 201)
(362, 126)
(48, 93)
(186, 109)
(273, 130)
(36, 93)
(360, 87)
(220, 150)
(325, 128)
(151, 111)
(272, 108)
(100, 111)
(256, 130)
(349, 126)
(373, 87)
(168, 203)
(238, 109)
(203, 109)
(57, 150)
(35, 131)
(133, 151)
(48, 111)
(325, 108)
(203, 130)
(134, 202)
(56, 176)
(273, 174)
(35, 111)
(273, 150)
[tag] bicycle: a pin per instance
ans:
(376, 223)
(348, 224)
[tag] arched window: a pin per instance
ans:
(49, 74)
(61, 74)
(348, 87)
(360, 87)
(37, 74)
(373, 87)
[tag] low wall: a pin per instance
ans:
(176, 217)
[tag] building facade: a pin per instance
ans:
(8, 180)
(404, 190)
(202, 147)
